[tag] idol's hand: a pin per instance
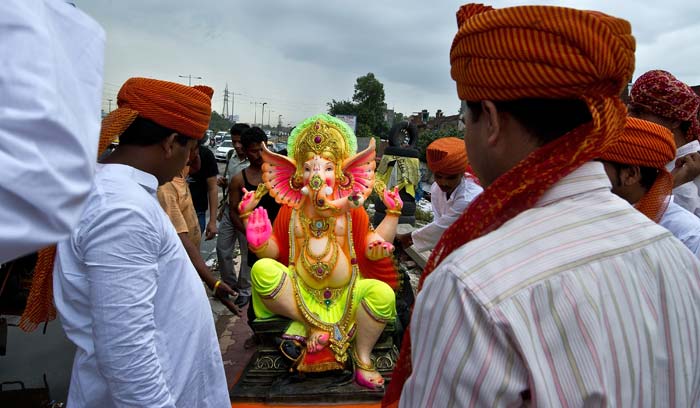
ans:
(259, 229)
(392, 200)
(248, 202)
(379, 249)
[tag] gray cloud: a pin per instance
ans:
(299, 54)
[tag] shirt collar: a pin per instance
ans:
(147, 180)
(589, 177)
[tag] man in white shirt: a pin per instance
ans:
(125, 289)
(50, 90)
(659, 97)
(549, 290)
(450, 194)
(635, 166)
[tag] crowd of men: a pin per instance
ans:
(572, 279)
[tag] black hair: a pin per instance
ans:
(685, 127)
(545, 119)
(144, 132)
(253, 135)
(648, 175)
(239, 128)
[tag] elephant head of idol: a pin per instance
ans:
(323, 168)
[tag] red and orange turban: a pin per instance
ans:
(184, 109)
(533, 52)
(647, 144)
(661, 93)
(447, 155)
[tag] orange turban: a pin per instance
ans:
(532, 52)
(647, 144)
(447, 155)
(184, 109)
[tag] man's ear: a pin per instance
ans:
(168, 145)
(493, 123)
(630, 175)
(674, 124)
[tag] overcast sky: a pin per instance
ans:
(296, 55)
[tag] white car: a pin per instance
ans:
(222, 152)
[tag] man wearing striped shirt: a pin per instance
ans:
(549, 290)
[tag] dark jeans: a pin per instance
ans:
(202, 218)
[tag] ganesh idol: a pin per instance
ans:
(322, 265)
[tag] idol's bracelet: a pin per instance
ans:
(394, 212)
(245, 215)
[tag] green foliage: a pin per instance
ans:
(343, 107)
(398, 117)
(369, 98)
(427, 137)
(363, 130)
(218, 123)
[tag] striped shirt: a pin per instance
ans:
(580, 300)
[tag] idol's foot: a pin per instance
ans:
(366, 374)
(317, 341)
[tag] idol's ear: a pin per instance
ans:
(358, 173)
(278, 175)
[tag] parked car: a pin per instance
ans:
(220, 136)
(222, 152)
(278, 147)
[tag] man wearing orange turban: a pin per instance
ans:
(539, 293)
(635, 166)
(450, 194)
(659, 97)
(126, 291)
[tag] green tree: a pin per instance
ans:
(218, 123)
(369, 98)
(343, 107)
(398, 117)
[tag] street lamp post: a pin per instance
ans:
(262, 117)
(189, 78)
(255, 117)
(233, 102)
(269, 111)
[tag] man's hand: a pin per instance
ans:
(222, 181)
(406, 240)
(211, 230)
(224, 290)
(687, 169)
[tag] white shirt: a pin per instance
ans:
(684, 225)
(445, 212)
(236, 165)
(687, 195)
(131, 301)
(579, 301)
(50, 91)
